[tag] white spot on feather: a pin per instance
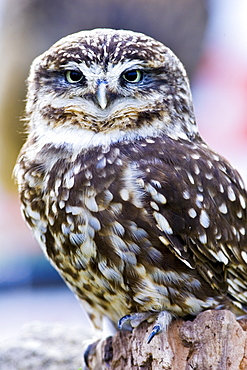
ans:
(186, 194)
(203, 238)
(54, 208)
(77, 239)
(124, 194)
(33, 214)
(240, 214)
(196, 169)
(244, 256)
(94, 223)
(154, 206)
(74, 210)
(65, 229)
(220, 256)
(192, 213)
(190, 177)
(91, 204)
(204, 219)
(209, 175)
(68, 182)
(61, 204)
(118, 228)
(199, 200)
(221, 188)
(164, 240)
(159, 198)
(195, 156)
(156, 183)
(150, 189)
(242, 201)
(162, 222)
(223, 208)
(242, 231)
(231, 194)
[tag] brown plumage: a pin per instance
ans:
(139, 216)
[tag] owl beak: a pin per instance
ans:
(101, 94)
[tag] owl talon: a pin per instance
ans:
(123, 322)
(89, 350)
(156, 329)
(134, 319)
(162, 323)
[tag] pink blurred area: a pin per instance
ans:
(220, 92)
(220, 84)
(13, 230)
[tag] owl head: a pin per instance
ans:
(109, 85)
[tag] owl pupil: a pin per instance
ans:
(73, 76)
(133, 76)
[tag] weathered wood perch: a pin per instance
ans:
(213, 341)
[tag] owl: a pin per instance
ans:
(138, 215)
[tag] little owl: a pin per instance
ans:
(138, 215)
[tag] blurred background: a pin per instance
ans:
(210, 37)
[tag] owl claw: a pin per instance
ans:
(123, 321)
(128, 322)
(162, 323)
(156, 329)
(90, 348)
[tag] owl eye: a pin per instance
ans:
(133, 76)
(73, 76)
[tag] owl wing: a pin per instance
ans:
(198, 204)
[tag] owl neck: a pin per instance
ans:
(79, 139)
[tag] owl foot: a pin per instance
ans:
(128, 322)
(132, 320)
(162, 323)
(90, 349)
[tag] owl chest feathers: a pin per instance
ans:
(106, 222)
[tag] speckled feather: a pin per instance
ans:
(131, 206)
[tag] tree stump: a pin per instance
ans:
(213, 341)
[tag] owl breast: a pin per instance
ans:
(97, 217)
